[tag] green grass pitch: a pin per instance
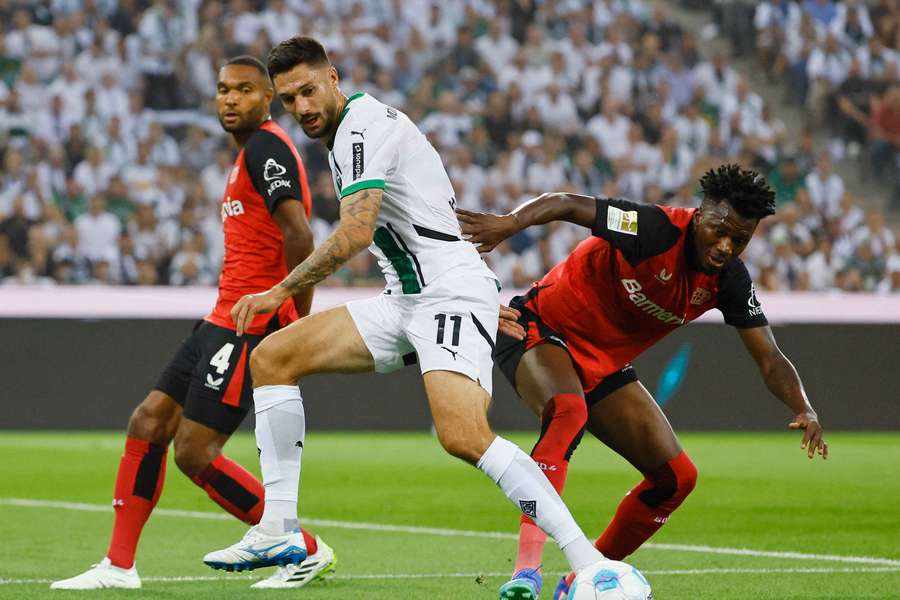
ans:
(369, 495)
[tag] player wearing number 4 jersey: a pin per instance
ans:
(647, 271)
(205, 391)
(439, 307)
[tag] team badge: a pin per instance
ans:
(700, 296)
(529, 507)
(621, 220)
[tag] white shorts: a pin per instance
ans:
(450, 326)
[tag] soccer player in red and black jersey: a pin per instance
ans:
(646, 271)
(205, 391)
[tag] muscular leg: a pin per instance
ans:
(630, 422)
(548, 384)
(459, 409)
(320, 343)
(142, 471)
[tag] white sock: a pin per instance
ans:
(280, 430)
(527, 487)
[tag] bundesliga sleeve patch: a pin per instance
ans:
(622, 221)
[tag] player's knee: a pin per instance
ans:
(190, 459)
(269, 366)
(463, 447)
(151, 421)
(668, 486)
(686, 474)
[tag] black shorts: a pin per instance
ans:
(508, 352)
(209, 376)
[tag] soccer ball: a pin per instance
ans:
(610, 580)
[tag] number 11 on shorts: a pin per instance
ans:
(441, 318)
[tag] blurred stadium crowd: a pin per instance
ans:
(114, 163)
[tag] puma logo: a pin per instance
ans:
(450, 351)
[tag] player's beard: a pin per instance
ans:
(329, 122)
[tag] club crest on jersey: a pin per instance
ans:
(234, 174)
(700, 296)
(529, 507)
(272, 170)
(621, 220)
(231, 208)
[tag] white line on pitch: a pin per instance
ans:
(168, 512)
(387, 576)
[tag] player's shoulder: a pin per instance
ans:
(363, 111)
(734, 273)
(266, 139)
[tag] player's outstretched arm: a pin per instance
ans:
(298, 244)
(783, 381)
(486, 230)
(354, 233)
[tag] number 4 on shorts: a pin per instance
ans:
(220, 359)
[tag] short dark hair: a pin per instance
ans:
(295, 51)
(743, 189)
(249, 61)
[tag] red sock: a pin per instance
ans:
(139, 482)
(647, 507)
(562, 425)
(235, 489)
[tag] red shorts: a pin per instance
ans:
(508, 351)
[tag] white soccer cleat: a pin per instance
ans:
(259, 549)
(609, 580)
(102, 575)
(316, 566)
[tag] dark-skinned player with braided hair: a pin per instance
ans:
(645, 271)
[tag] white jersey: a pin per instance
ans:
(417, 238)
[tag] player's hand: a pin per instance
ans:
(486, 230)
(249, 306)
(812, 434)
(509, 323)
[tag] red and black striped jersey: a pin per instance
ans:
(267, 171)
(634, 282)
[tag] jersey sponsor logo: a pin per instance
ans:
(545, 467)
(234, 174)
(700, 296)
(272, 170)
(621, 220)
(753, 303)
(278, 183)
(664, 276)
(640, 300)
(231, 208)
(358, 160)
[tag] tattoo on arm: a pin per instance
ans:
(359, 212)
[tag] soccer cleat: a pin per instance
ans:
(259, 549)
(316, 566)
(102, 575)
(525, 585)
(562, 588)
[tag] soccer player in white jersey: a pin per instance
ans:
(439, 308)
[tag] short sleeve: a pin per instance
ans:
(737, 298)
(272, 168)
(639, 231)
(364, 153)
